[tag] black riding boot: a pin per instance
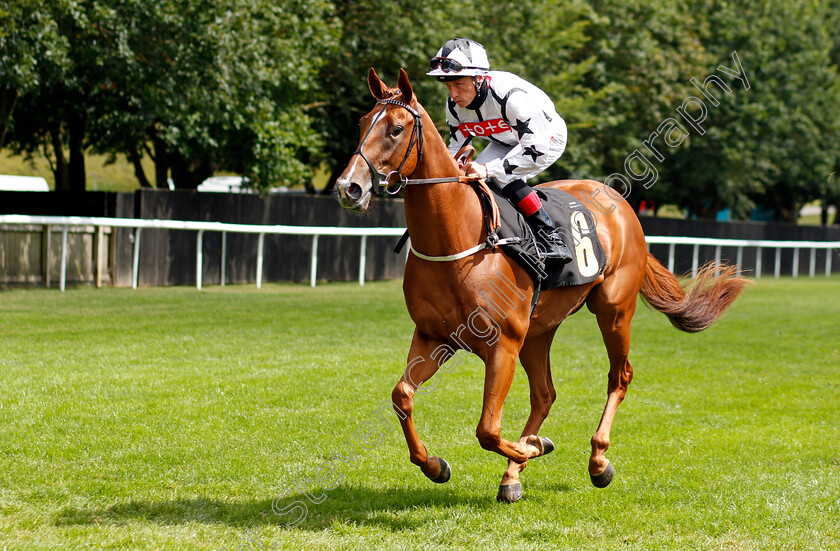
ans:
(549, 238)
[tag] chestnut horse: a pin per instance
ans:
(445, 291)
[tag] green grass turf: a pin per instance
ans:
(169, 418)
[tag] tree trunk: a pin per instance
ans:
(76, 125)
(135, 158)
(329, 188)
(8, 117)
(790, 212)
(308, 187)
(161, 164)
(60, 172)
(189, 173)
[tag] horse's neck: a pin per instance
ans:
(446, 218)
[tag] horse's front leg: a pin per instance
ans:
(535, 359)
(420, 368)
(500, 365)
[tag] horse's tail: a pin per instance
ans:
(697, 304)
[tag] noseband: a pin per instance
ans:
(378, 180)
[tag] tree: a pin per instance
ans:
(34, 55)
(197, 85)
(772, 145)
(644, 55)
(219, 87)
(831, 195)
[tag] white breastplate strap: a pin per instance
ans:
(462, 254)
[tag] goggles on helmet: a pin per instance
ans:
(448, 65)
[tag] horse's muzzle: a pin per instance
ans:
(352, 196)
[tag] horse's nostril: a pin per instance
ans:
(354, 191)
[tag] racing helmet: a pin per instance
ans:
(460, 57)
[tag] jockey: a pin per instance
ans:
(525, 132)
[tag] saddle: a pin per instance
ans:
(507, 228)
(572, 220)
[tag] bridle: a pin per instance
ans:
(381, 181)
(378, 180)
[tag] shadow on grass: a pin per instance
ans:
(387, 508)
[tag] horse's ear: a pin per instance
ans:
(377, 87)
(405, 86)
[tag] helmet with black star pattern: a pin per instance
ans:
(459, 57)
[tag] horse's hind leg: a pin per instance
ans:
(614, 322)
(535, 359)
(423, 363)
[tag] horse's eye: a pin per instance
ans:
(397, 130)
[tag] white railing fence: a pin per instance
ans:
(740, 244)
(64, 223)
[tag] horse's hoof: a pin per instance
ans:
(548, 446)
(445, 472)
(540, 442)
(508, 493)
(603, 480)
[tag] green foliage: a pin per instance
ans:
(383, 34)
(33, 56)
(30, 46)
(198, 85)
(644, 55)
(274, 90)
(774, 145)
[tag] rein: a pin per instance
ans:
(380, 181)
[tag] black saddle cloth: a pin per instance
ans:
(573, 221)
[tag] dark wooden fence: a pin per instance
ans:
(167, 257)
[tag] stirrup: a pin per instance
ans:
(552, 247)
